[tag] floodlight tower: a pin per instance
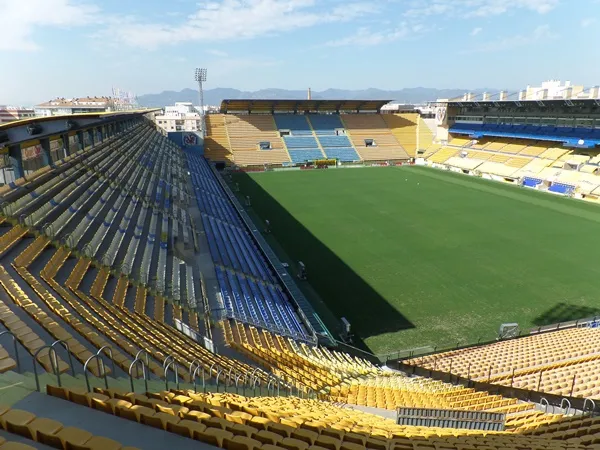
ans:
(201, 78)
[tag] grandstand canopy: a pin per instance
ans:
(22, 130)
(271, 106)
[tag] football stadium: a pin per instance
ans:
(303, 275)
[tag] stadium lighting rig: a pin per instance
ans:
(200, 77)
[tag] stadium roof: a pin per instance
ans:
(94, 115)
(515, 102)
(265, 106)
(20, 131)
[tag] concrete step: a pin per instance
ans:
(15, 386)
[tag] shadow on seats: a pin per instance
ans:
(345, 293)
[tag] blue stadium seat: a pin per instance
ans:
(343, 154)
(300, 156)
(248, 287)
(300, 142)
(335, 141)
(325, 124)
(561, 188)
(573, 137)
(297, 124)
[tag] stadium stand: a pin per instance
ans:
(254, 140)
(300, 140)
(89, 257)
(216, 143)
(443, 154)
(248, 287)
(567, 135)
(561, 171)
(331, 135)
(424, 133)
(371, 137)
(543, 362)
(404, 128)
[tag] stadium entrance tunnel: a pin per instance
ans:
(343, 292)
(565, 312)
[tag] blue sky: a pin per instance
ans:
(73, 48)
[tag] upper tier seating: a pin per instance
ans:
(132, 238)
(325, 124)
(586, 137)
(296, 124)
(245, 132)
(558, 354)
(245, 135)
(372, 127)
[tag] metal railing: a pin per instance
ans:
(53, 356)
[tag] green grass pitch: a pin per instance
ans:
(416, 257)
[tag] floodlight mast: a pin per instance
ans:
(200, 76)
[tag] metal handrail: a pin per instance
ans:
(53, 363)
(100, 362)
(237, 391)
(219, 371)
(193, 371)
(210, 369)
(194, 375)
(15, 343)
(167, 360)
(593, 405)
(568, 405)
(144, 374)
(176, 370)
(110, 354)
(66, 346)
(271, 380)
(137, 355)
(254, 381)
(544, 402)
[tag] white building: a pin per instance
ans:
(552, 89)
(181, 117)
(68, 106)
(12, 113)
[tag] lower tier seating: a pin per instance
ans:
(342, 154)
(236, 422)
(301, 156)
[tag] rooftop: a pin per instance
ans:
(80, 101)
(282, 105)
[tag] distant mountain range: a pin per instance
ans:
(215, 96)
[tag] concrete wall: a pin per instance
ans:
(188, 140)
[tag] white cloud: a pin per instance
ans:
(366, 37)
(477, 8)
(542, 33)
(587, 22)
(476, 31)
(234, 20)
(219, 53)
(20, 19)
